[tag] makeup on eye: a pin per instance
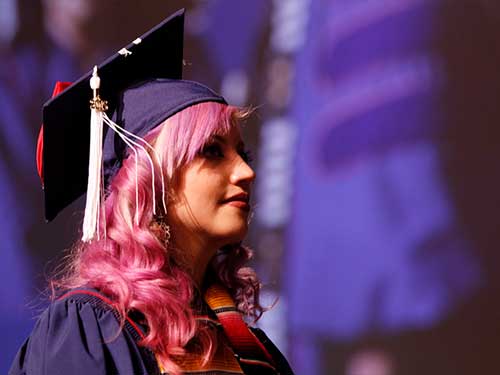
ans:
(215, 149)
(212, 151)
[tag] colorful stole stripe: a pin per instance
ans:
(247, 346)
(222, 362)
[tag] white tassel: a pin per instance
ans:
(94, 193)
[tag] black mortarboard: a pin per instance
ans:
(142, 86)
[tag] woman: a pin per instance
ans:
(161, 287)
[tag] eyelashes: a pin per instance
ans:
(214, 151)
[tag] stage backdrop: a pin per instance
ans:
(392, 246)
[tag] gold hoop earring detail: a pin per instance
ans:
(161, 223)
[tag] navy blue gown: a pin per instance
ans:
(80, 335)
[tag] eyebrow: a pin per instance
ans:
(223, 141)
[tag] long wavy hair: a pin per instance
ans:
(136, 267)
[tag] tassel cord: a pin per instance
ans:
(117, 128)
(131, 146)
(130, 143)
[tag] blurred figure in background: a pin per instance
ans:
(397, 185)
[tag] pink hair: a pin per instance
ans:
(137, 269)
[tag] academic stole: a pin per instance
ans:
(244, 349)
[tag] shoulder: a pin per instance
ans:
(79, 333)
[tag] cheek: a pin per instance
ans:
(205, 182)
(199, 199)
(203, 193)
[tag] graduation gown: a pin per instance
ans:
(80, 335)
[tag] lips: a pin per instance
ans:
(239, 200)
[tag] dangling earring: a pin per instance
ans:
(166, 229)
(160, 222)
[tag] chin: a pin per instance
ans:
(234, 234)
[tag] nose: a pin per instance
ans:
(242, 174)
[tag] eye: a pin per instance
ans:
(212, 151)
(246, 155)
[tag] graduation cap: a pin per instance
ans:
(140, 86)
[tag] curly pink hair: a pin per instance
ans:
(134, 265)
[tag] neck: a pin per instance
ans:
(199, 252)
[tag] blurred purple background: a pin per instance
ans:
(377, 148)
